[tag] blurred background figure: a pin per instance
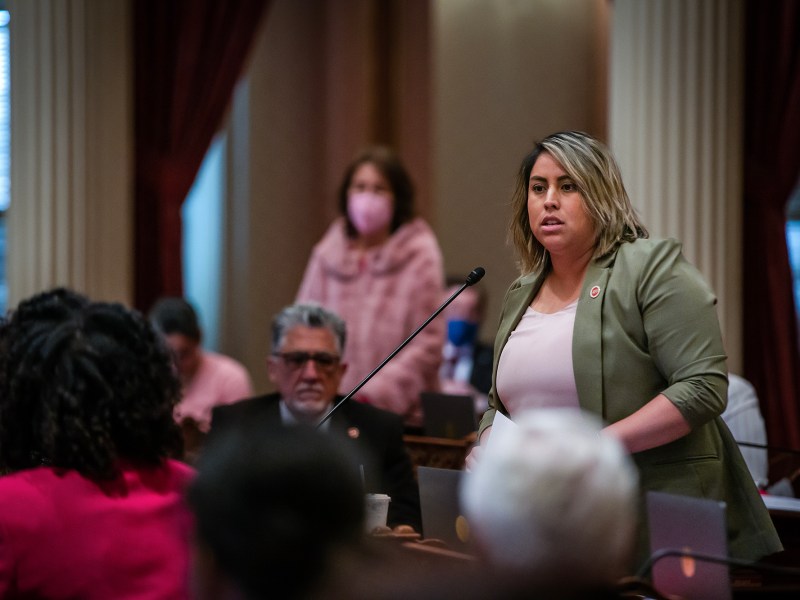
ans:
(466, 361)
(91, 505)
(743, 418)
(379, 267)
(306, 366)
(277, 511)
(554, 501)
(208, 379)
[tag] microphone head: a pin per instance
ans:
(475, 275)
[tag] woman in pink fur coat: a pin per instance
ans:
(380, 268)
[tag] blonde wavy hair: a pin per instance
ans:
(592, 167)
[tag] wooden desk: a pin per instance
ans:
(442, 453)
(785, 513)
(755, 583)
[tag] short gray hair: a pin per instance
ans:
(307, 315)
(547, 494)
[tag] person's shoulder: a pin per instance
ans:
(170, 474)
(523, 280)
(247, 408)
(740, 391)
(31, 487)
(181, 472)
(335, 237)
(646, 254)
(644, 247)
(333, 253)
(415, 235)
(249, 404)
(223, 362)
(740, 383)
(21, 482)
(32, 498)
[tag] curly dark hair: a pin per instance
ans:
(83, 385)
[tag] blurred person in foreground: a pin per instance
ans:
(306, 366)
(608, 321)
(208, 379)
(91, 504)
(279, 511)
(549, 509)
(552, 502)
(379, 267)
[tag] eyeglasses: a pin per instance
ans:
(323, 361)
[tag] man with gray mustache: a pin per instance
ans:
(306, 367)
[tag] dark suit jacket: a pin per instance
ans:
(374, 436)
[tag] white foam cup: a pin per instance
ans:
(377, 509)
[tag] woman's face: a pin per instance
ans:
(556, 210)
(370, 203)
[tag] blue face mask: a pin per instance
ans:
(461, 332)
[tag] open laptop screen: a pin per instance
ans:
(440, 508)
(448, 415)
(694, 525)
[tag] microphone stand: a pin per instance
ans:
(474, 277)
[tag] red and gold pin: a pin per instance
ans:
(353, 433)
(595, 291)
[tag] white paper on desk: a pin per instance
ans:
(500, 427)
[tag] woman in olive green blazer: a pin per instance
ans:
(647, 352)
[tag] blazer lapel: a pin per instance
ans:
(587, 340)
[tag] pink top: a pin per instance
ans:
(535, 368)
(219, 380)
(65, 536)
(383, 299)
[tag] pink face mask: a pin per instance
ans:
(369, 213)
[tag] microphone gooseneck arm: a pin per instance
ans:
(474, 277)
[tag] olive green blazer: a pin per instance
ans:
(646, 324)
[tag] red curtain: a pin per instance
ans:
(188, 55)
(771, 169)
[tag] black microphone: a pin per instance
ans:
(474, 277)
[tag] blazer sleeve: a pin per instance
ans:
(680, 322)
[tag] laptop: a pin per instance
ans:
(440, 507)
(448, 415)
(692, 524)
